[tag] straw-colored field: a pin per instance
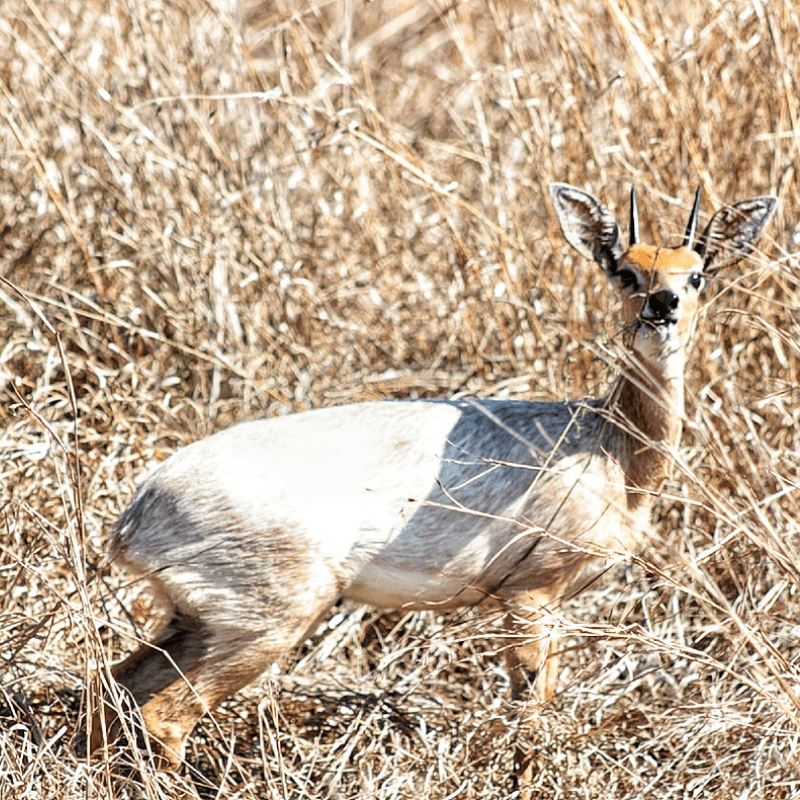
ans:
(202, 223)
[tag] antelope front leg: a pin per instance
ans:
(531, 657)
(532, 663)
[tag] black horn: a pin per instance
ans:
(633, 238)
(691, 228)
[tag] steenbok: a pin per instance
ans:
(252, 534)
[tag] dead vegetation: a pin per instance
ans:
(203, 222)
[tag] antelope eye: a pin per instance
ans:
(696, 281)
(628, 279)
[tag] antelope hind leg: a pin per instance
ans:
(230, 663)
(150, 669)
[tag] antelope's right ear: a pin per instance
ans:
(588, 226)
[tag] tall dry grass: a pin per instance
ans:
(203, 221)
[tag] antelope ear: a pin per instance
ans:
(731, 232)
(588, 226)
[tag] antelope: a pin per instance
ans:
(251, 535)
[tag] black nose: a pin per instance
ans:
(662, 304)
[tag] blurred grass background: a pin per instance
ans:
(209, 213)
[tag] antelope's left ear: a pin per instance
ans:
(731, 232)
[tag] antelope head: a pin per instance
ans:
(660, 287)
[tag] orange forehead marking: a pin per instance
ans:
(648, 258)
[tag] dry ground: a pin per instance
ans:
(203, 221)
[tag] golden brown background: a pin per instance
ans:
(210, 213)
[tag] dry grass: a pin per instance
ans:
(193, 234)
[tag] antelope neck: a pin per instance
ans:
(646, 412)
